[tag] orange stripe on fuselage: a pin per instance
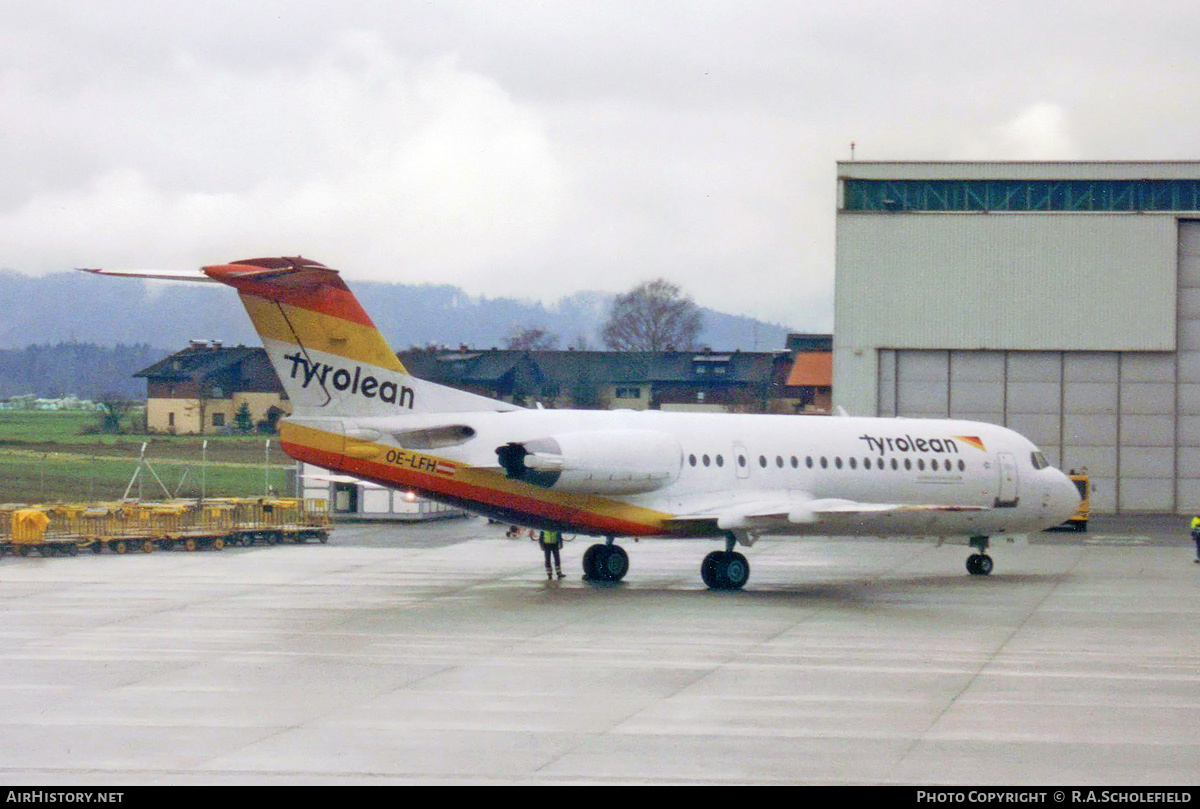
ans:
(468, 484)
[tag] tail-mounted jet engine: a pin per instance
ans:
(596, 462)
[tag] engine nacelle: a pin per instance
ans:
(596, 461)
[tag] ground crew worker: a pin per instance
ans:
(1196, 536)
(551, 541)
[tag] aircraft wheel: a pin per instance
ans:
(614, 564)
(723, 570)
(736, 572)
(590, 569)
(979, 564)
(605, 563)
(708, 570)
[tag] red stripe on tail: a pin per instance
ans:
(294, 281)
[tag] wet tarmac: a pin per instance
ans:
(438, 653)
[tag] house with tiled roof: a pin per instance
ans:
(201, 389)
(738, 381)
(810, 380)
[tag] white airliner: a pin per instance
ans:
(357, 411)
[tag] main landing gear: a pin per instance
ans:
(725, 570)
(721, 570)
(607, 562)
(979, 564)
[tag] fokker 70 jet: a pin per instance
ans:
(726, 477)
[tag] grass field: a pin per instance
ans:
(45, 457)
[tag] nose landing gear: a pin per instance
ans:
(979, 564)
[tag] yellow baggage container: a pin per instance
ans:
(29, 526)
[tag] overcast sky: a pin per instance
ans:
(535, 149)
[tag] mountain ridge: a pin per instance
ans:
(77, 307)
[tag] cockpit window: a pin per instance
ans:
(1039, 460)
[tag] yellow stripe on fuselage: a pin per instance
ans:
(321, 332)
(405, 468)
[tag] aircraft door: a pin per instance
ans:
(741, 461)
(1009, 491)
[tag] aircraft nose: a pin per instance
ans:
(1064, 497)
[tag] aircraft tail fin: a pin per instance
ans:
(329, 355)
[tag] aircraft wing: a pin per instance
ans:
(770, 515)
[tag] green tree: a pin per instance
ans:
(243, 419)
(112, 412)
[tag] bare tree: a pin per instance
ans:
(653, 316)
(531, 338)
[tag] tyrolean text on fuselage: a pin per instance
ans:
(906, 443)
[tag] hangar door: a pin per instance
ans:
(1111, 412)
(1131, 417)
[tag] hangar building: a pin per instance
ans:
(1059, 299)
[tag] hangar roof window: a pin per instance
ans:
(1022, 195)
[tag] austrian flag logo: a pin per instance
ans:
(973, 440)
